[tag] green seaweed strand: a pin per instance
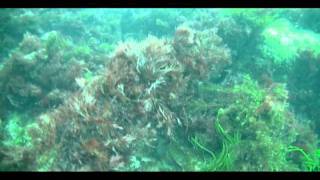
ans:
(220, 129)
(311, 163)
(195, 142)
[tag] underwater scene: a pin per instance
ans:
(172, 89)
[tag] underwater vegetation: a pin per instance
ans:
(159, 90)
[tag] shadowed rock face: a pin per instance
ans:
(31, 75)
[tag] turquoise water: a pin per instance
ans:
(159, 89)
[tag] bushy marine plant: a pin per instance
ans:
(136, 98)
(256, 118)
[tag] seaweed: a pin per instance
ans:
(159, 90)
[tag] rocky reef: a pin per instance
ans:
(214, 90)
